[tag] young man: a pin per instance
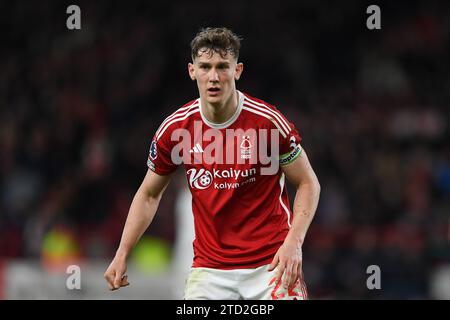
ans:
(248, 243)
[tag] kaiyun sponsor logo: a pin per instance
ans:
(202, 179)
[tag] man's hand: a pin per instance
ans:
(115, 274)
(289, 261)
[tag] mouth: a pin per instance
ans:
(213, 91)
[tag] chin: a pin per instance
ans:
(214, 100)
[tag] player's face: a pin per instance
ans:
(215, 76)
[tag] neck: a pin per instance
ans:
(220, 113)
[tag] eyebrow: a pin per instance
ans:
(222, 63)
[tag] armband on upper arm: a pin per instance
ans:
(290, 156)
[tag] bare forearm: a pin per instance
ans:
(140, 215)
(305, 205)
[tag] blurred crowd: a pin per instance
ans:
(78, 110)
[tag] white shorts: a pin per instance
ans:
(248, 284)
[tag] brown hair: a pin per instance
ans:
(216, 40)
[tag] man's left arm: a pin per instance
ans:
(289, 257)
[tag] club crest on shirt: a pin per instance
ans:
(153, 151)
(246, 148)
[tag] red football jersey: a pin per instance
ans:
(239, 200)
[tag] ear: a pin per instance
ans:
(191, 71)
(239, 69)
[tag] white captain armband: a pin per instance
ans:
(290, 156)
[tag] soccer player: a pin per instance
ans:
(237, 151)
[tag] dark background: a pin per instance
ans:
(78, 109)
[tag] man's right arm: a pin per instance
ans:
(141, 213)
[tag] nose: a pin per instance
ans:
(214, 75)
